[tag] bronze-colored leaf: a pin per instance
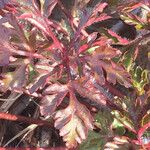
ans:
(74, 122)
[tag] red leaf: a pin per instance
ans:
(40, 82)
(131, 6)
(74, 122)
(100, 42)
(99, 8)
(119, 38)
(6, 29)
(90, 16)
(51, 102)
(105, 52)
(42, 23)
(93, 20)
(87, 90)
(55, 88)
(101, 60)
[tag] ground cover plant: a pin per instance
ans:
(75, 74)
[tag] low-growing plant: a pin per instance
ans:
(84, 80)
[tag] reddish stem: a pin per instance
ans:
(12, 117)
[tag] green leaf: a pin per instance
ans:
(140, 79)
(128, 59)
(92, 49)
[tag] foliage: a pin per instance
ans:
(61, 63)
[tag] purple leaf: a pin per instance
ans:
(40, 82)
(51, 102)
(55, 88)
(4, 57)
(19, 78)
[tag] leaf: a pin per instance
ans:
(119, 38)
(80, 4)
(129, 57)
(106, 52)
(92, 37)
(140, 79)
(26, 5)
(6, 29)
(117, 73)
(124, 120)
(42, 23)
(99, 8)
(90, 16)
(131, 6)
(54, 95)
(74, 122)
(19, 77)
(4, 57)
(87, 90)
(118, 128)
(48, 6)
(119, 142)
(132, 19)
(93, 45)
(39, 82)
(55, 88)
(93, 20)
(95, 17)
(100, 61)
(45, 73)
(145, 119)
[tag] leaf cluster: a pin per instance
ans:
(73, 71)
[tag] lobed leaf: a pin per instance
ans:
(101, 61)
(39, 82)
(90, 92)
(74, 122)
(53, 96)
(51, 102)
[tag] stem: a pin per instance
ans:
(11, 117)
(66, 64)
